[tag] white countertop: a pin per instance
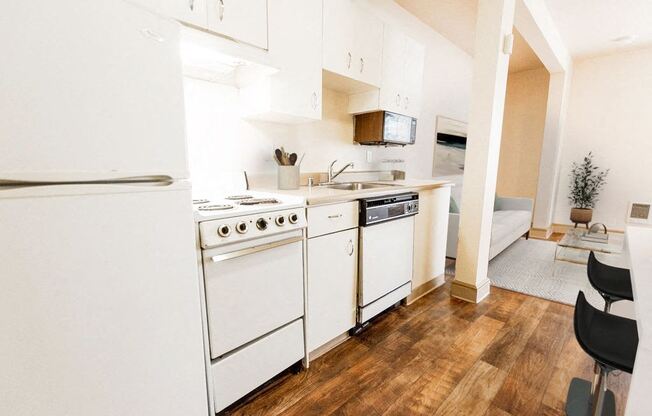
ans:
(639, 243)
(317, 195)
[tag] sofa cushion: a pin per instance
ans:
(505, 222)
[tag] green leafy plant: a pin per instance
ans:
(586, 181)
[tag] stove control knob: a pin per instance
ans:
(280, 220)
(261, 224)
(224, 230)
(293, 218)
(242, 227)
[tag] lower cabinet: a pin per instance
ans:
(332, 286)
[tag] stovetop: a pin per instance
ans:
(242, 203)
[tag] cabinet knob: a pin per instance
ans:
(398, 100)
(191, 5)
(220, 10)
(407, 102)
(361, 65)
(348, 65)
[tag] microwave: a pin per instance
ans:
(384, 128)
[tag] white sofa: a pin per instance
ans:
(512, 219)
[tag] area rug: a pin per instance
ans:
(528, 266)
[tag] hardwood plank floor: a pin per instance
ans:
(511, 355)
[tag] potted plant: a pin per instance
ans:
(586, 181)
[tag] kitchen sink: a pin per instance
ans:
(358, 186)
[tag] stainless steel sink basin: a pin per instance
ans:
(358, 186)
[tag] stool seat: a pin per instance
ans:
(612, 282)
(611, 340)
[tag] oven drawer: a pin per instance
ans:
(239, 373)
(328, 219)
(250, 293)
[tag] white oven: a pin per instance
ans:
(254, 284)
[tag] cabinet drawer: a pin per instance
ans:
(332, 218)
(241, 372)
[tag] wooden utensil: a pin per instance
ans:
(286, 158)
(279, 156)
(293, 159)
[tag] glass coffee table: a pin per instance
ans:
(573, 249)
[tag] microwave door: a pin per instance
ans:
(390, 128)
(405, 130)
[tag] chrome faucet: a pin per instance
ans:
(332, 175)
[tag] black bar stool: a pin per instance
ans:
(613, 283)
(612, 342)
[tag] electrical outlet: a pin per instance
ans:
(370, 156)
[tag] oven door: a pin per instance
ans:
(252, 289)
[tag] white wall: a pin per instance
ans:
(609, 114)
(219, 140)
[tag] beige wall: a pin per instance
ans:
(523, 123)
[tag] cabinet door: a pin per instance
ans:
(295, 46)
(368, 48)
(193, 12)
(391, 90)
(413, 78)
(339, 36)
(332, 286)
(243, 20)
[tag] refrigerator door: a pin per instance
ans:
(100, 302)
(89, 90)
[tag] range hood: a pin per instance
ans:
(214, 59)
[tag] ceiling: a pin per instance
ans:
(588, 27)
(455, 20)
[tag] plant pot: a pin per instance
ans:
(581, 215)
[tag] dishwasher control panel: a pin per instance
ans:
(389, 207)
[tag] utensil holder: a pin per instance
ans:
(288, 177)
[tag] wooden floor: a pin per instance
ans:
(510, 355)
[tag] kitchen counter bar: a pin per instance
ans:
(320, 195)
(639, 244)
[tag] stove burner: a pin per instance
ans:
(200, 201)
(215, 207)
(259, 201)
(238, 197)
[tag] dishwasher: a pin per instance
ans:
(386, 242)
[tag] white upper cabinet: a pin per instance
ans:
(242, 20)
(295, 48)
(368, 48)
(352, 42)
(402, 78)
(193, 12)
(415, 56)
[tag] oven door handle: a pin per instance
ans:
(253, 250)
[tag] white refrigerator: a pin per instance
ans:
(99, 293)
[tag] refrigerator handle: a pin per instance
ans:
(147, 180)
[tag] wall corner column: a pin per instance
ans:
(490, 66)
